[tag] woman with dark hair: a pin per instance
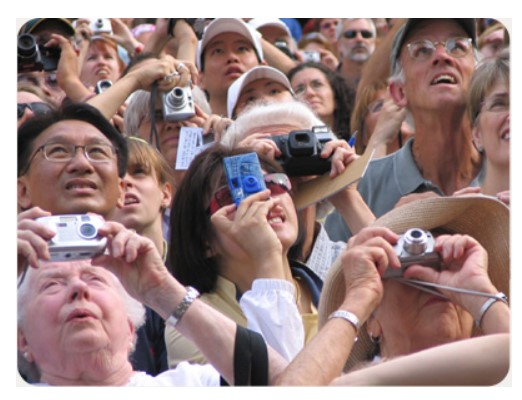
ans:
(327, 94)
(220, 249)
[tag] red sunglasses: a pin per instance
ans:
(277, 183)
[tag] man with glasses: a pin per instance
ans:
(432, 63)
(72, 161)
(356, 39)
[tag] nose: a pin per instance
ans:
(79, 290)
(79, 161)
(128, 182)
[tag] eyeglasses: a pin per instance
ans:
(424, 49)
(496, 104)
(277, 183)
(38, 108)
(352, 33)
(60, 152)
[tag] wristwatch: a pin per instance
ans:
(181, 309)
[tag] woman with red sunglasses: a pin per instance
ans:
(223, 250)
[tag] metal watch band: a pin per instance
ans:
(175, 317)
(348, 316)
(487, 304)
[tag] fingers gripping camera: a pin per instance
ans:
(415, 246)
(76, 236)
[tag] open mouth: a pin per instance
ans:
(130, 199)
(80, 315)
(444, 79)
(276, 219)
(80, 184)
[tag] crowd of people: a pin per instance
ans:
(400, 276)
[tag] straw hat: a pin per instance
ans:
(482, 217)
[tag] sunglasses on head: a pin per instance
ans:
(277, 183)
(352, 33)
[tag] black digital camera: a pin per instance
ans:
(301, 151)
(32, 57)
(415, 246)
(244, 176)
(197, 25)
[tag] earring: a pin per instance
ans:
(375, 339)
(26, 355)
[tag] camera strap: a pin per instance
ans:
(426, 287)
(153, 138)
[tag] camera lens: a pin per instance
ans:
(251, 184)
(27, 46)
(415, 241)
(88, 231)
(176, 98)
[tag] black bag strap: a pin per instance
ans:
(250, 359)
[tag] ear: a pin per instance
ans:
(24, 194)
(475, 133)
(373, 326)
(397, 93)
(23, 347)
(201, 80)
(166, 192)
(121, 199)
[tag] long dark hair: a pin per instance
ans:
(191, 231)
(344, 97)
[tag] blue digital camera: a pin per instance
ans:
(244, 176)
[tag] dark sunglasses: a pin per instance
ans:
(277, 183)
(37, 108)
(352, 33)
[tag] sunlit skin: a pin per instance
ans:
(74, 316)
(262, 90)
(76, 186)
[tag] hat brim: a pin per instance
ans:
(482, 217)
(252, 75)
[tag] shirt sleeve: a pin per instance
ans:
(271, 310)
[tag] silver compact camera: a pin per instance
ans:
(76, 236)
(311, 56)
(100, 25)
(415, 246)
(178, 104)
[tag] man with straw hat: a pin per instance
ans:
(440, 308)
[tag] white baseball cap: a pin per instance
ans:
(257, 23)
(254, 74)
(223, 25)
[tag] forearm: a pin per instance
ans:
(323, 358)
(353, 209)
(276, 58)
(478, 361)
(110, 100)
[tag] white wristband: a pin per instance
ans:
(487, 304)
(347, 316)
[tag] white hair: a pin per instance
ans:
(259, 115)
(134, 309)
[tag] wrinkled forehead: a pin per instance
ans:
(73, 132)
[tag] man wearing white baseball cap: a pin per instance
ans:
(261, 83)
(229, 48)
